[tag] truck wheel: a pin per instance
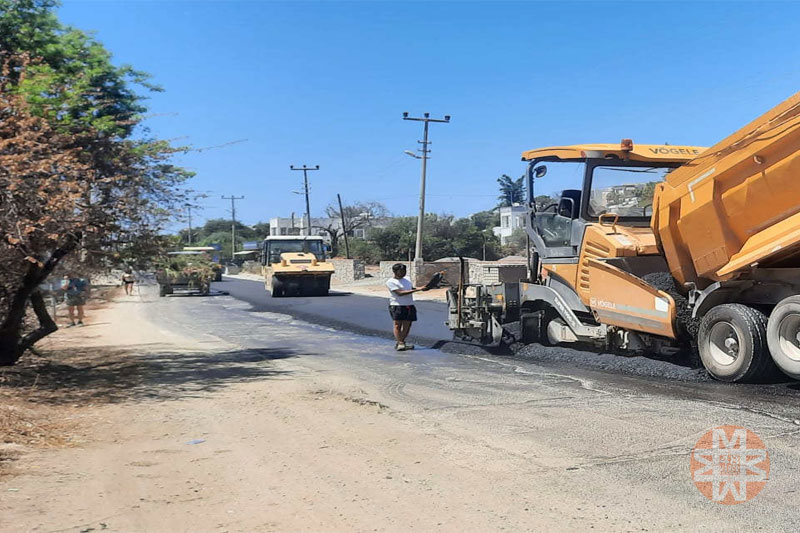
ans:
(783, 336)
(162, 291)
(277, 287)
(531, 327)
(732, 339)
(324, 288)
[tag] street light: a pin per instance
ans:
(412, 154)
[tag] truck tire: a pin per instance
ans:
(530, 327)
(277, 287)
(162, 291)
(783, 331)
(533, 327)
(325, 288)
(732, 340)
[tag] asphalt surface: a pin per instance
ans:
(367, 315)
(361, 314)
(622, 438)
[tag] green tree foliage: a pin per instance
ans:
(444, 236)
(516, 243)
(260, 231)
(512, 191)
(76, 168)
(543, 200)
(365, 250)
(486, 220)
(646, 194)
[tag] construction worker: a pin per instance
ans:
(401, 305)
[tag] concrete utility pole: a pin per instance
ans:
(189, 212)
(233, 221)
(424, 142)
(305, 170)
(344, 228)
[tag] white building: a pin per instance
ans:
(297, 226)
(279, 226)
(511, 218)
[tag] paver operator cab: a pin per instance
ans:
(661, 249)
(295, 265)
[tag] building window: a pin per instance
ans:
(506, 221)
(283, 231)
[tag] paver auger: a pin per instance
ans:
(661, 249)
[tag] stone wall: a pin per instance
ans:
(478, 272)
(493, 272)
(499, 273)
(386, 269)
(251, 267)
(347, 270)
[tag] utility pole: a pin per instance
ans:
(344, 228)
(305, 170)
(424, 142)
(233, 221)
(189, 210)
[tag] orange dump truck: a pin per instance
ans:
(659, 248)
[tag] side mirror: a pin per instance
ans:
(540, 171)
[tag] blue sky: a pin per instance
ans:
(326, 83)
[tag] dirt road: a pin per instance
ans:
(197, 414)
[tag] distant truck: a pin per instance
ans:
(295, 265)
(189, 271)
(212, 254)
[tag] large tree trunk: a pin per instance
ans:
(12, 343)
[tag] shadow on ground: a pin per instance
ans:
(113, 375)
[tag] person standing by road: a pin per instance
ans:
(128, 279)
(401, 305)
(75, 292)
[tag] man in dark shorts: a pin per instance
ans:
(401, 305)
(75, 292)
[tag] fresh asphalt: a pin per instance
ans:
(367, 315)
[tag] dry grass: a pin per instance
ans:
(25, 425)
(26, 422)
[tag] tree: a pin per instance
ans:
(260, 231)
(516, 243)
(645, 194)
(543, 200)
(486, 220)
(445, 236)
(358, 215)
(512, 191)
(73, 176)
(365, 250)
(397, 240)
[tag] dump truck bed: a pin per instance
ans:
(736, 205)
